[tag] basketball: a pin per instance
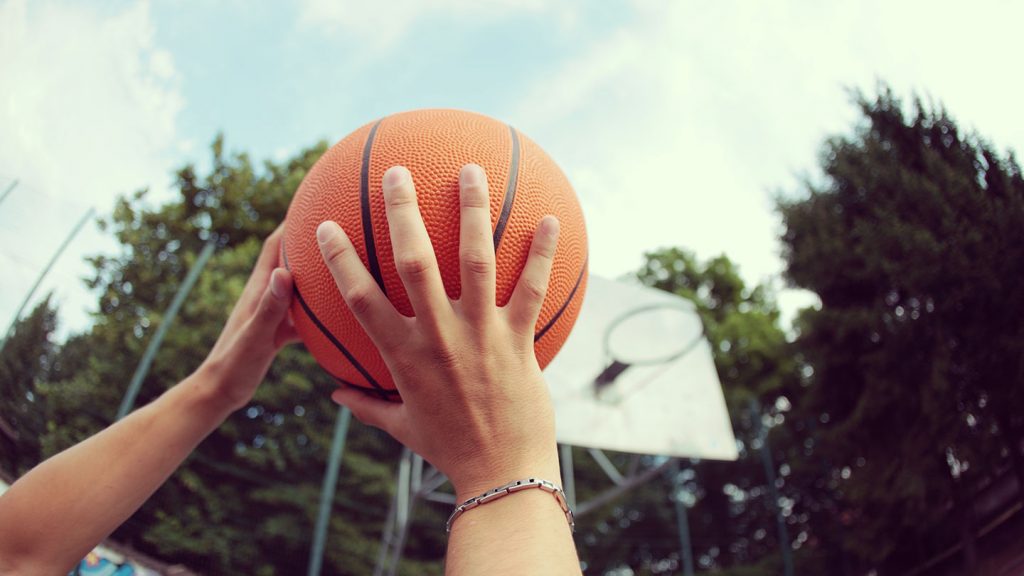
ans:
(345, 186)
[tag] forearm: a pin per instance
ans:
(60, 510)
(523, 533)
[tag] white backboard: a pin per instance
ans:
(661, 397)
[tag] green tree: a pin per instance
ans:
(731, 521)
(25, 361)
(756, 367)
(245, 501)
(914, 241)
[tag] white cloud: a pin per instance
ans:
(383, 23)
(88, 104)
(678, 127)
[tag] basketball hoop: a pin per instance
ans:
(623, 349)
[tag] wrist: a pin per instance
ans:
(196, 401)
(510, 488)
(213, 388)
(543, 466)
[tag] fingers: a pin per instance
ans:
(476, 246)
(414, 253)
(285, 334)
(271, 311)
(272, 245)
(524, 305)
(371, 411)
(269, 255)
(358, 288)
(265, 264)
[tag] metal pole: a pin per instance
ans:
(404, 479)
(316, 554)
(606, 464)
(172, 311)
(684, 537)
(8, 191)
(53, 260)
(568, 479)
(417, 473)
(406, 499)
(614, 492)
(682, 519)
(396, 556)
(785, 548)
(393, 539)
(386, 537)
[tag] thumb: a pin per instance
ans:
(272, 309)
(372, 411)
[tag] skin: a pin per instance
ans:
(475, 402)
(58, 512)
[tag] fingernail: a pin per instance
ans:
(336, 396)
(395, 175)
(471, 175)
(278, 286)
(324, 231)
(549, 226)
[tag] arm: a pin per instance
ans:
(475, 403)
(54, 515)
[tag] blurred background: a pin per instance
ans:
(833, 185)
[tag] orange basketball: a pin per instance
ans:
(345, 186)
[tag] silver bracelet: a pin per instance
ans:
(514, 486)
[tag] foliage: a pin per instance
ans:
(914, 241)
(899, 397)
(25, 360)
(245, 501)
(731, 519)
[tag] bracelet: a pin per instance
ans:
(511, 487)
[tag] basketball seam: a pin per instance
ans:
(381, 393)
(341, 347)
(327, 333)
(364, 201)
(510, 190)
(540, 333)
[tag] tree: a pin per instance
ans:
(246, 500)
(914, 241)
(731, 520)
(26, 359)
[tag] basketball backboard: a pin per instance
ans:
(636, 375)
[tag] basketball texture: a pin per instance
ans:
(345, 186)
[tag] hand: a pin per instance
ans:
(475, 404)
(60, 510)
(257, 329)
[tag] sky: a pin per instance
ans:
(678, 122)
